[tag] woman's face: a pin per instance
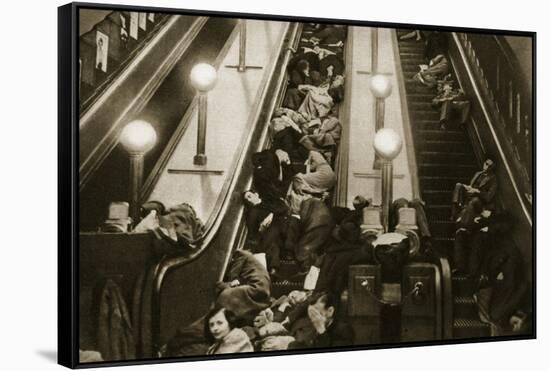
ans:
(218, 325)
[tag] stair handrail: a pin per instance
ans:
(480, 86)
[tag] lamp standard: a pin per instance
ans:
(387, 144)
(137, 138)
(203, 78)
(381, 88)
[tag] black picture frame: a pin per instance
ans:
(69, 106)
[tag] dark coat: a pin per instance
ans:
(266, 179)
(253, 293)
(503, 267)
(115, 334)
(486, 182)
(337, 334)
(288, 140)
(255, 214)
(316, 224)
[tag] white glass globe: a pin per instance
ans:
(138, 136)
(387, 143)
(380, 86)
(203, 77)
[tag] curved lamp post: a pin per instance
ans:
(387, 144)
(203, 78)
(137, 138)
(380, 87)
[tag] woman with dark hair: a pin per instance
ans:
(220, 330)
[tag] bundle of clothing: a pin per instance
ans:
(246, 288)
(178, 228)
(435, 70)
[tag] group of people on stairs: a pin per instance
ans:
(483, 246)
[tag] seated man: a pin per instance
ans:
(246, 288)
(481, 190)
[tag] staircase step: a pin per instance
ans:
(425, 124)
(441, 183)
(429, 169)
(470, 328)
(412, 58)
(442, 228)
(437, 197)
(438, 211)
(287, 268)
(411, 68)
(444, 145)
(462, 285)
(409, 41)
(412, 86)
(424, 114)
(412, 51)
(446, 157)
(465, 307)
(420, 97)
(452, 135)
(425, 105)
(443, 245)
(283, 287)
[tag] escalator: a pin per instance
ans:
(445, 157)
(151, 86)
(180, 289)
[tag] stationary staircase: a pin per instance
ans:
(444, 157)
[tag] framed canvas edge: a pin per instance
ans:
(68, 206)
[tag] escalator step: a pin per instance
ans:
(428, 169)
(441, 183)
(470, 328)
(465, 307)
(453, 135)
(442, 228)
(445, 156)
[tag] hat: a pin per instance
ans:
(360, 202)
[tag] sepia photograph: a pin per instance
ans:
(267, 185)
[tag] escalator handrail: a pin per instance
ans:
(406, 120)
(99, 90)
(265, 140)
(491, 126)
(223, 202)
